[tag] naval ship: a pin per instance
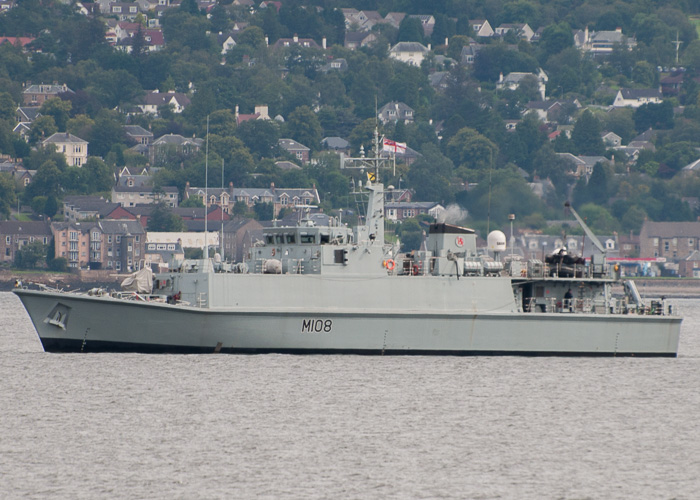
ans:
(331, 289)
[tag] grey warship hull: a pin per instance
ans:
(99, 324)
(328, 288)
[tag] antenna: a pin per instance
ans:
(221, 238)
(206, 192)
(677, 43)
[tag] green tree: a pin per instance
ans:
(656, 116)
(411, 235)
(42, 128)
(304, 127)
(410, 30)
(259, 136)
(163, 219)
(586, 135)
(471, 149)
(222, 122)
(430, 176)
(193, 202)
(59, 110)
(264, 211)
(8, 196)
(31, 255)
(97, 175)
(7, 106)
(554, 39)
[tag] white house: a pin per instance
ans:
(637, 97)
(73, 148)
(409, 52)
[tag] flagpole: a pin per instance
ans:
(206, 192)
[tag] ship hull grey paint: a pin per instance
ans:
(95, 324)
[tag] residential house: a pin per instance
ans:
(36, 95)
(14, 235)
(357, 39)
(124, 11)
(240, 235)
(469, 52)
(393, 112)
(27, 114)
(611, 139)
(131, 190)
(398, 211)
(481, 27)
(23, 129)
(80, 207)
(512, 81)
(409, 52)
(167, 145)
(261, 113)
(601, 43)
(689, 267)
(226, 41)
(155, 99)
(280, 198)
(394, 18)
(287, 165)
(6, 5)
(522, 30)
(553, 111)
(427, 22)
(672, 240)
(108, 244)
(337, 64)
(295, 41)
(628, 245)
(671, 84)
(17, 171)
(164, 253)
(637, 97)
(583, 164)
(439, 80)
(80, 243)
(299, 151)
(72, 147)
(138, 135)
(152, 38)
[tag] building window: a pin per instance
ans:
(666, 246)
(8, 240)
(691, 242)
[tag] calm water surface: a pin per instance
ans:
(91, 426)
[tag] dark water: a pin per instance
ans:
(275, 426)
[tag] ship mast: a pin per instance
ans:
(374, 220)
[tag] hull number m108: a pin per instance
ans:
(316, 325)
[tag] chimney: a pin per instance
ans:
(295, 38)
(272, 187)
(447, 42)
(430, 46)
(267, 41)
(323, 43)
(230, 186)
